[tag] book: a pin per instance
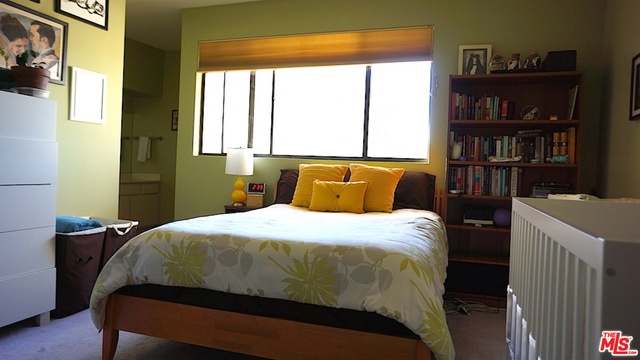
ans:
(468, 189)
(511, 109)
(513, 186)
(556, 144)
(564, 143)
(573, 95)
(504, 109)
(477, 180)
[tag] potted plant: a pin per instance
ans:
(6, 79)
(28, 76)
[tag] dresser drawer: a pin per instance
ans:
(28, 162)
(26, 251)
(27, 295)
(27, 117)
(27, 207)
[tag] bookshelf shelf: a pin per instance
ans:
(485, 120)
(481, 228)
(522, 123)
(470, 258)
(507, 164)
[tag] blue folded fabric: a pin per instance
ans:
(70, 224)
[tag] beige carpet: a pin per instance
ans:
(479, 335)
(476, 336)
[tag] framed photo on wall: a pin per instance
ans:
(174, 120)
(473, 59)
(94, 12)
(634, 105)
(47, 48)
(88, 96)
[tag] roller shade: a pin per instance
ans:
(353, 47)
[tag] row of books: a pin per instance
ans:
(481, 107)
(532, 145)
(485, 180)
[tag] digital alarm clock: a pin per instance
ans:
(256, 188)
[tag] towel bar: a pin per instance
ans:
(138, 138)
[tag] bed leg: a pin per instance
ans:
(109, 343)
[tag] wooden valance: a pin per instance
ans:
(339, 48)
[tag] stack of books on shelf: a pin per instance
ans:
(532, 145)
(564, 146)
(485, 180)
(481, 107)
(478, 215)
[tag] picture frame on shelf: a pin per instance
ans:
(634, 103)
(93, 12)
(474, 59)
(47, 52)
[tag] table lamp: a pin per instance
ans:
(239, 162)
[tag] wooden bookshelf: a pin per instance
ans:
(481, 253)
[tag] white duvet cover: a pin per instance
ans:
(393, 264)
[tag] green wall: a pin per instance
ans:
(143, 69)
(89, 154)
(619, 160)
(510, 26)
(150, 97)
(88, 160)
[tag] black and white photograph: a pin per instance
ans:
(473, 59)
(94, 12)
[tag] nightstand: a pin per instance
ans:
(230, 209)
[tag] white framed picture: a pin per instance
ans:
(473, 59)
(88, 96)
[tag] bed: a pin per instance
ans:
(290, 281)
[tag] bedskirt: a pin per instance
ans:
(275, 308)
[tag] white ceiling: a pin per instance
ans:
(158, 22)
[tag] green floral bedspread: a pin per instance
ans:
(393, 264)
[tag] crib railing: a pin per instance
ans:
(573, 275)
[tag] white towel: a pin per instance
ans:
(144, 148)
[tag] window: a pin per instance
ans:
(353, 111)
(356, 94)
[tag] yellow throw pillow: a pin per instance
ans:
(382, 185)
(309, 172)
(338, 196)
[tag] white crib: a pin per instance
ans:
(574, 273)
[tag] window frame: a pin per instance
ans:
(413, 43)
(365, 124)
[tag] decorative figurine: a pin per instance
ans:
(514, 62)
(532, 61)
(496, 63)
(530, 112)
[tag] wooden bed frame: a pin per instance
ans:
(248, 334)
(252, 335)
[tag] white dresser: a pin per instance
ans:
(28, 176)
